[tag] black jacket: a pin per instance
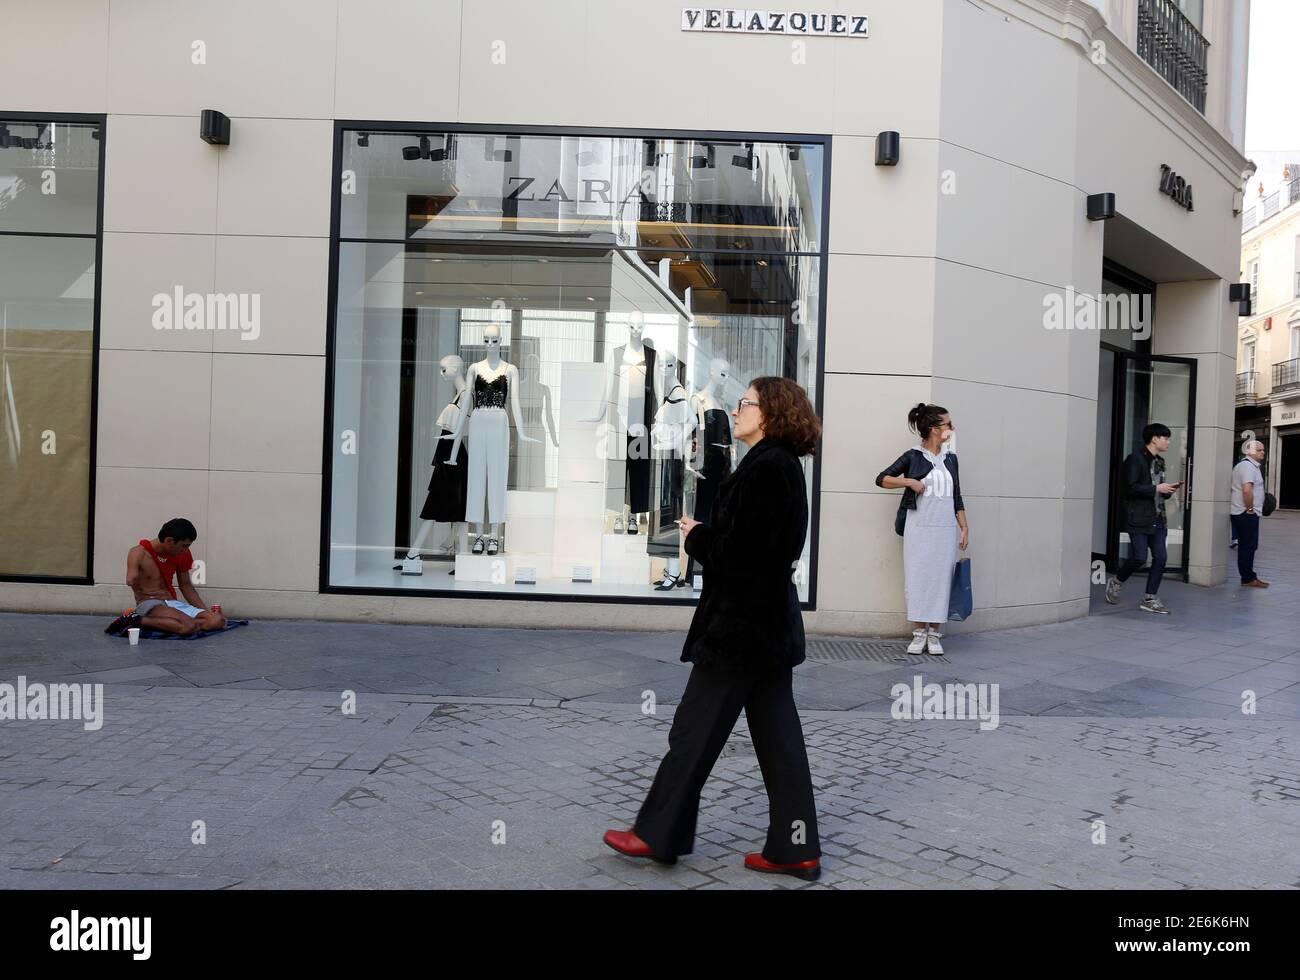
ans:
(1138, 492)
(748, 617)
(913, 465)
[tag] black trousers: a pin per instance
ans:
(708, 711)
(1246, 529)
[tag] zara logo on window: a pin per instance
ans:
(739, 21)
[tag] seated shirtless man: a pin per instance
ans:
(150, 566)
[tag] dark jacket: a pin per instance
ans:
(1138, 492)
(913, 465)
(748, 617)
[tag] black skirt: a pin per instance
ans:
(446, 499)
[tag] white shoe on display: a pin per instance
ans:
(631, 524)
(618, 524)
(478, 546)
(918, 642)
(492, 546)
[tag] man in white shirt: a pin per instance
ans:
(1245, 502)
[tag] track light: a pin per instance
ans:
(363, 139)
(707, 161)
(745, 160)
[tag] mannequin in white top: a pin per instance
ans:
(451, 368)
(489, 383)
(629, 384)
(671, 437)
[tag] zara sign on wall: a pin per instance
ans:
(799, 22)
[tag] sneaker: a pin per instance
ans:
(478, 545)
(618, 524)
(1152, 604)
(492, 546)
(127, 621)
(932, 639)
(918, 642)
(1112, 589)
(631, 524)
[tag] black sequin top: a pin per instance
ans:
(491, 394)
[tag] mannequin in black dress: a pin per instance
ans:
(445, 502)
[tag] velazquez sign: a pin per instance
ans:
(734, 20)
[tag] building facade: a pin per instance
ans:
(1268, 353)
(271, 335)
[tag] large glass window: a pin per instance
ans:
(49, 207)
(538, 342)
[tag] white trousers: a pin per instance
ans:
(489, 465)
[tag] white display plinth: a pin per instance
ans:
(499, 569)
(623, 559)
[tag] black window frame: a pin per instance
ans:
(99, 120)
(345, 126)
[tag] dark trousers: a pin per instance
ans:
(1139, 543)
(708, 711)
(1245, 527)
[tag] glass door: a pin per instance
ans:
(1150, 388)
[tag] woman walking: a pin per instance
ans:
(932, 521)
(746, 637)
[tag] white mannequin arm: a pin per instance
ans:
(464, 414)
(513, 373)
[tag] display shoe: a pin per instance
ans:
(917, 646)
(807, 870)
(669, 583)
(628, 843)
(631, 524)
(478, 545)
(618, 524)
(492, 546)
(932, 642)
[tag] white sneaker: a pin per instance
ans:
(918, 642)
(1112, 590)
(936, 648)
(1152, 604)
(618, 524)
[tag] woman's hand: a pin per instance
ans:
(916, 485)
(965, 538)
(687, 524)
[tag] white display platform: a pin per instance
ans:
(623, 559)
(530, 522)
(499, 569)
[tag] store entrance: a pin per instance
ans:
(1288, 477)
(1152, 388)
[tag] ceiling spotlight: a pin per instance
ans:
(363, 139)
(794, 153)
(746, 160)
(420, 152)
(708, 160)
(493, 155)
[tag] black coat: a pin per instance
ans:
(748, 617)
(1139, 492)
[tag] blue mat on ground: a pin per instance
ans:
(156, 635)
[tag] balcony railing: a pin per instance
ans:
(1286, 375)
(1271, 206)
(1247, 387)
(1171, 44)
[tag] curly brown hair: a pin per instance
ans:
(788, 415)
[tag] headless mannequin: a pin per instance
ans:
(674, 439)
(708, 399)
(634, 353)
(452, 369)
(491, 368)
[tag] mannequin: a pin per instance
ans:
(489, 382)
(632, 388)
(445, 502)
(539, 417)
(671, 440)
(714, 448)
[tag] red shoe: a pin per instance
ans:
(807, 870)
(626, 842)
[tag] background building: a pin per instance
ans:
(876, 286)
(1268, 354)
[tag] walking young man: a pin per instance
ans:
(1245, 502)
(1144, 491)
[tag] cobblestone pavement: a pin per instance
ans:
(495, 758)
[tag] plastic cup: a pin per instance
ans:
(133, 634)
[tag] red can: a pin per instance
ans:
(216, 608)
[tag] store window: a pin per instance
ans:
(49, 228)
(537, 343)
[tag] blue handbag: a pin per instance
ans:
(960, 600)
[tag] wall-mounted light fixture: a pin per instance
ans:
(1101, 207)
(1239, 293)
(214, 127)
(888, 149)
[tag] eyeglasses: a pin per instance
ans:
(740, 405)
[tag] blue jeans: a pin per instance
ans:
(1139, 543)
(1245, 528)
